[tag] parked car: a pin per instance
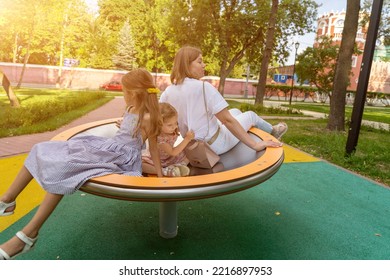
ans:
(113, 85)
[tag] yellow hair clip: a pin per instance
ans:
(153, 90)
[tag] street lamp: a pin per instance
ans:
(295, 58)
(247, 80)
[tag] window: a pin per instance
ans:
(340, 23)
(322, 28)
(354, 61)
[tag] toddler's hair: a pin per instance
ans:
(168, 111)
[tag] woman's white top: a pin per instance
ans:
(187, 98)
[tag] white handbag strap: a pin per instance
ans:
(207, 112)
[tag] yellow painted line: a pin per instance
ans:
(31, 196)
(294, 155)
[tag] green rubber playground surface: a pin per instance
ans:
(309, 210)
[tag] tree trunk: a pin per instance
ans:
(15, 48)
(267, 53)
(27, 55)
(225, 71)
(343, 67)
(221, 85)
(8, 89)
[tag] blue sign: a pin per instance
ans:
(69, 62)
(281, 78)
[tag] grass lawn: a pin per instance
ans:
(371, 158)
(372, 155)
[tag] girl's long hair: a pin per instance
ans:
(137, 82)
(181, 64)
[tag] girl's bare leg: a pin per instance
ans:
(21, 181)
(148, 168)
(49, 203)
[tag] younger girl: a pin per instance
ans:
(63, 167)
(173, 159)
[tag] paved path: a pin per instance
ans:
(10, 146)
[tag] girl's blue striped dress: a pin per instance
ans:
(62, 167)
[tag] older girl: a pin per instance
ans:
(62, 167)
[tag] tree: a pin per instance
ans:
(384, 24)
(228, 30)
(154, 39)
(114, 13)
(99, 46)
(147, 20)
(13, 100)
(33, 24)
(269, 45)
(60, 27)
(126, 56)
(224, 30)
(317, 65)
(343, 67)
(289, 18)
(31, 14)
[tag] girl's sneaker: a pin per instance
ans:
(176, 170)
(184, 170)
(171, 171)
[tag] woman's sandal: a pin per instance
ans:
(29, 244)
(4, 206)
(279, 130)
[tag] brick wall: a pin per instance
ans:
(84, 78)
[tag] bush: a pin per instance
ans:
(41, 108)
(261, 110)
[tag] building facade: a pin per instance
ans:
(331, 24)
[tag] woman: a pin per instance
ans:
(202, 109)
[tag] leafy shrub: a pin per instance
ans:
(261, 110)
(41, 108)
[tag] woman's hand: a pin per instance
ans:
(261, 145)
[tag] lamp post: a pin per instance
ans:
(247, 80)
(295, 59)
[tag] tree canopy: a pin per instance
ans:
(317, 65)
(44, 32)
